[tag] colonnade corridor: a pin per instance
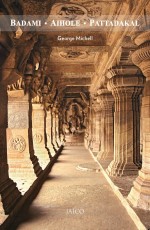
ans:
(75, 199)
(74, 115)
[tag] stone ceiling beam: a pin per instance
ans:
(73, 68)
(77, 82)
(72, 95)
(76, 89)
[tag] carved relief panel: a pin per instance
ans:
(17, 144)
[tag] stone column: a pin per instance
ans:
(21, 167)
(92, 127)
(9, 194)
(96, 129)
(141, 130)
(106, 102)
(137, 126)
(49, 132)
(87, 130)
(61, 131)
(39, 142)
(90, 124)
(124, 86)
(140, 193)
(57, 130)
(54, 130)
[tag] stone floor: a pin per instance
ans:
(72, 199)
(124, 185)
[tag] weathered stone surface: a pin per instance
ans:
(49, 133)
(140, 193)
(38, 131)
(19, 155)
(9, 194)
(124, 88)
(106, 102)
(54, 133)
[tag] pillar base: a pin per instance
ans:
(105, 156)
(117, 169)
(139, 195)
(96, 147)
(9, 195)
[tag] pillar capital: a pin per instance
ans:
(103, 91)
(15, 62)
(142, 37)
(125, 70)
(141, 57)
(126, 81)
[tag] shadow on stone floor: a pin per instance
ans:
(28, 216)
(51, 178)
(61, 161)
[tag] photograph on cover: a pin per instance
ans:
(75, 114)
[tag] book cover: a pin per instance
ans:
(74, 114)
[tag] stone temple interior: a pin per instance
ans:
(81, 94)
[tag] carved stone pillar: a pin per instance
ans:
(96, 128)
(54, 130)
(140, 193)
(137, 126)
(88, 130)
(87, 125)
(21, 168)
(141, 129)
(39, 142)
(106, 102)
(125, 83)
(61, 132)
(49, 132)
(9, 194)
(92, 129)
(90, 124)
(57, 130)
